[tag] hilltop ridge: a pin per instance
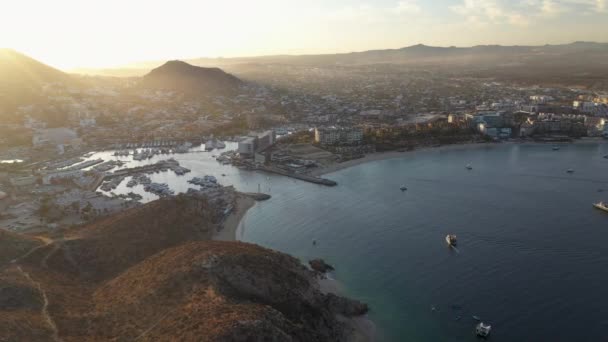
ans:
(151, 274)
(181, 76)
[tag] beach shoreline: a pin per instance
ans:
(378, 156)
(231, 225)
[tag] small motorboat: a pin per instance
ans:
(606, 156)
(556, 148)
(477, 318)
(570, 171)
(451, 239)
(601, 206)
(483, 330)
(403, 188)
(469, 167)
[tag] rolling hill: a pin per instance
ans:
(21, 79)
(190, 79)
(152, 274)
(17, 69)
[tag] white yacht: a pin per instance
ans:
(483, 330)
(451, 239)
(601, 206)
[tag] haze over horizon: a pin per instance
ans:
(113, 33)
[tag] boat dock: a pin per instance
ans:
(305, 178)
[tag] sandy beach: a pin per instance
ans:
(228, 232)
(396, 154)
(387, 155)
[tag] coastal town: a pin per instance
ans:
(302, 130)
(303, 171)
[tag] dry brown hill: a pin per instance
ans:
(151, 274)
(14, 245)
(190, 79)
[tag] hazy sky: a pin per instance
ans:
(96, 33)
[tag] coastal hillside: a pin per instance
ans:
(152, 274)
(190, 79)
(17, 69)
(21, 81)
(14, 245)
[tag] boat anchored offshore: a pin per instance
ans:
(403, 188)
(555, 148)
(469, 167)
(601, 206)
(451, 239)
(483, 330)
(570, 171)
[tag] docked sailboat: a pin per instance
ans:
(601, 206)
(451, 239)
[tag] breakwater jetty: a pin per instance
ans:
(306, 178)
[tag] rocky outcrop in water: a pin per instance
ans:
(320, 266)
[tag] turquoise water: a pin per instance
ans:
(531, 259)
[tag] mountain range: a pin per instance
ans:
(429, 55)
(575, 63)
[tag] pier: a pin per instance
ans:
(305, 178)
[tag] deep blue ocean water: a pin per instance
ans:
(532, 257)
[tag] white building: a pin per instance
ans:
(584, 106)
(54, 137)
(247, 146)
(333, 136)
(47, 178)
(88, 121)
(541, 98)
(23, 181)
(256, 143)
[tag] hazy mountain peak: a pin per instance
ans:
(181, 76)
